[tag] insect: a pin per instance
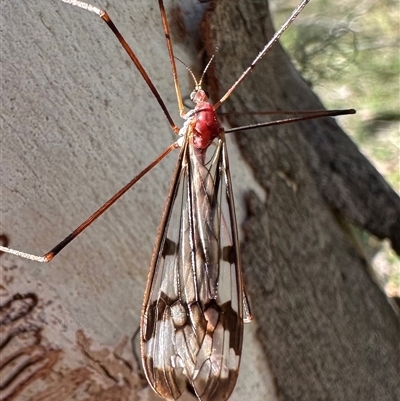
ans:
(195, 302)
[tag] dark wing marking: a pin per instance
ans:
(192, 321)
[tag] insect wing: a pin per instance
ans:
(192, 321)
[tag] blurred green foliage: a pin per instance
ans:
(349, 51)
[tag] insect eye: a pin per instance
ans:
(193, 95)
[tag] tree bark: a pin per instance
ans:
(328, 330)
(78, 122)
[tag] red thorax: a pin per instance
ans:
(205, 124)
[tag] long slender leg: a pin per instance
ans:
(315, 113)
(51, 254)
(267, 47)
(105, 17)
(171, 57)
(305, 116)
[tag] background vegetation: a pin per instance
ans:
(349, 51)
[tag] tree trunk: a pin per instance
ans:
(328, 331)
(78, 122)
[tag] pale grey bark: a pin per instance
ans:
(78, 122)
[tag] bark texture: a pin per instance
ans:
(327, 329)
(78, 122)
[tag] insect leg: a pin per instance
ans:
(171, 57)
(266, 48)
(305, 116)
(105, 17)
(51, 254)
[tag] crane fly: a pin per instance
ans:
(195, 302)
